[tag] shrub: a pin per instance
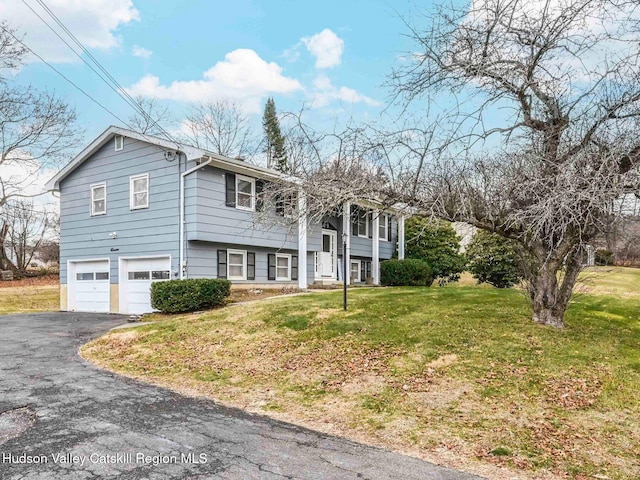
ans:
(176, 296)
(494, 259)
(408, 272)
(438, 245)
(604, 257)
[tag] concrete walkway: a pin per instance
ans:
(62, 418)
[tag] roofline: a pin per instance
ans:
(192, 153)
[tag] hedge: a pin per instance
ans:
(408, 272)
(177, 296)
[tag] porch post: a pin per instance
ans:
(346, 231)
(375, 248)
(401, 237)
(302, 241)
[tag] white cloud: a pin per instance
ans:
(93, 22)
(242, 75)
(138, 51)
(327, 47)
(325, 93)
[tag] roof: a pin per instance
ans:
(192, 153)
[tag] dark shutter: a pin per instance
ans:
(389, 229)
(230, 180)
(368, 271)
(294, 267)
(251, 266)
(280, 205)
(271, 266)
(363, 272)
(259, 196)
(354, 220)
(370, 223)
(222, 264)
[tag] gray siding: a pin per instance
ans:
(203, 261)
(144, 232)
(211, 220)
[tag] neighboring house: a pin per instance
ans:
(136, 209)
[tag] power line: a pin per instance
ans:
(62, 74)
(110, 80)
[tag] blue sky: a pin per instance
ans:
(331, 56)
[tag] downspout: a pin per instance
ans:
(182, 219)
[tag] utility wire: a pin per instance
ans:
(62, 75)
(110, 81)
(123, 93)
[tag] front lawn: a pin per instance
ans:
(457, 374)
(29, 299)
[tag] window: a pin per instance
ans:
(160, 275)
(139, 191)
(286, 205)
(245, 193)
(363, 223)
(283, 267)
(99, 199)
(84, 276)
(355, 270)
(237, 264)
(384, 227)
(139, 275)
(119, 142)
(102, 275)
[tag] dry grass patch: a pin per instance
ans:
(29, 299)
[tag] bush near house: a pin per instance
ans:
(408, 272)
(494, 260)
(176, 296)
(437, 244)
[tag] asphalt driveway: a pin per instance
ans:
(61, 417)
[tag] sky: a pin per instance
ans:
(330, 57)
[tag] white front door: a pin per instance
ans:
(135, 287)
(328, 255)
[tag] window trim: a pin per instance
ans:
(93, 199)
(252, 181)
(387, 218)
(244, 264)
(366, 222)
(351, 262)
(288, 277)
(132, 193)
(115, 142)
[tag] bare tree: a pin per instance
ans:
(222, 127)
(26, 227)
(155, 118)
(11, 51)
(544, 137)
(37, 130)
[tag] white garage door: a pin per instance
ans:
(88, 289)
(139, 273)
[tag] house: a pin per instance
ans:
(137, 209)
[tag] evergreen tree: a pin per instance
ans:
(438, 245)
(276, 154)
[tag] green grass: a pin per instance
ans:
(29, 299)
(421, 369)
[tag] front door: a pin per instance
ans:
(328, 254)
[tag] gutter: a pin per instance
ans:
(183, 175)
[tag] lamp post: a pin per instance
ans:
(344, 271)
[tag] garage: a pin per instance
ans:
(88, 286)
(136, 277)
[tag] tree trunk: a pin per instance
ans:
(550, 300)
